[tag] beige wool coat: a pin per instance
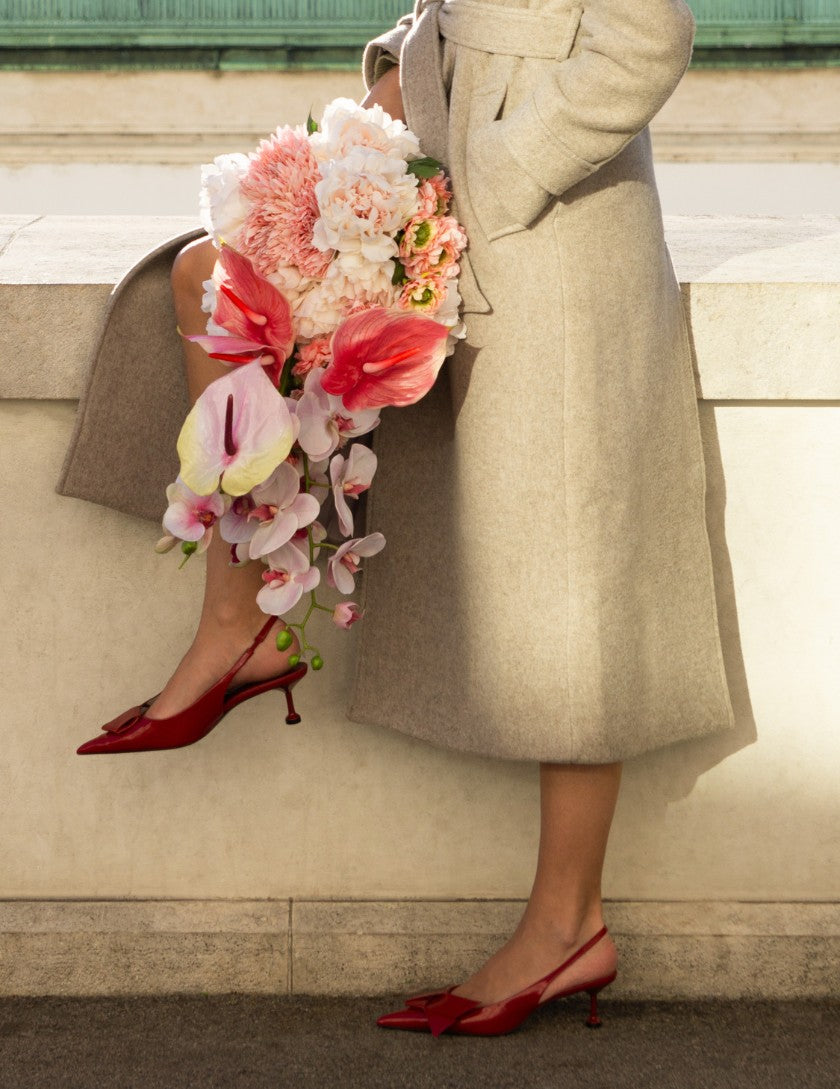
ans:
(546, 590)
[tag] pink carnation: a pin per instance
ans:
(433, 195)
(280, 186)
(316, 353)
(423, 296)
(432, 246)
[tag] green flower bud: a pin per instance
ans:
(284, 639)
(317, 661)
(294, 659)
(188, 547)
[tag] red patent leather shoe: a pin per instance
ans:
(132, 731)
(442, 1011)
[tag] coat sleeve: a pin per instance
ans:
(632, 54)
(383, 52)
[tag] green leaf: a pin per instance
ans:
(311, 124)
(399, 276)
(425, 167)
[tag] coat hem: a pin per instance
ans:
(369, 718)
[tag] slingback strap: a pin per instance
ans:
(443, 1009)
(578, 953)
(258, 638)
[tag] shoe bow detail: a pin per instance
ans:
(420, 1001)
(127, 719)
(437, 1011)
(445, 1009)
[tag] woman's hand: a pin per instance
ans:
(386, 93)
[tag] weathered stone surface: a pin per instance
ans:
(666, 950)
(144, 947)
(762, 298)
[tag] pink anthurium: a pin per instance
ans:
(257, 316)
(288, 577)
(236, 434)
(281, 509)
(344, 564)
(350, 477)
(381, 357)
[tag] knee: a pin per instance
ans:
(193, 265)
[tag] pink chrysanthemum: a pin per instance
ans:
(280, 185)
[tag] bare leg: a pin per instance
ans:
(577, 802)
(230, 617)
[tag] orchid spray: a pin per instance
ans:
(334, 296)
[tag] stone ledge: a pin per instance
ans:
(668, 950)
(762, 296)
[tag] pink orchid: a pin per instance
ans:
(289, 575)
(300, 538)
(237, 432)
(350, 477)
(345, 563)
(382, 357)
(239, 555)
(237, 526)
(281, 508)
(346, 613)
(325, 420)
(257, 316)
(191, 517)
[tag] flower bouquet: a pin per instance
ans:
(334, 295)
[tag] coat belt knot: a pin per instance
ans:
(481, 25)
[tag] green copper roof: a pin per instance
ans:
(319, 33)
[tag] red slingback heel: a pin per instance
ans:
(442, 1011)
(132, 731)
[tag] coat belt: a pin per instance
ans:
(476, 24)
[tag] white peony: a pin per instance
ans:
(321, 309)
(222, 207)
(364, 199)
(345, 125)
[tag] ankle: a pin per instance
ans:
(561, 925)
(233, 622)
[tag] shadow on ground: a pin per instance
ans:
(250, 1042)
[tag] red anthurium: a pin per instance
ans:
(383, 357)
(255, 313)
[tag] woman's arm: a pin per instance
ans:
(386, 93)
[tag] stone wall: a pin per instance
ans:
(334, 856)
